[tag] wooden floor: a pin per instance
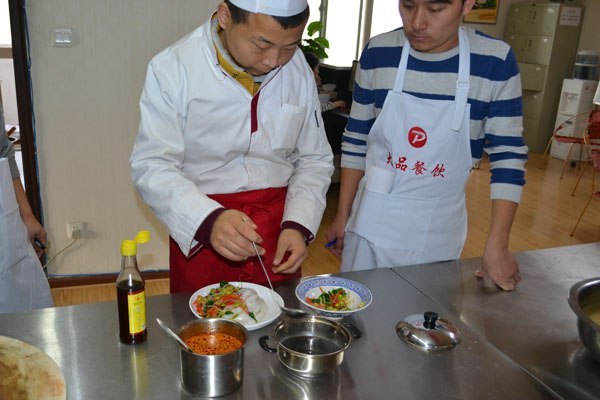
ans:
(544, 219)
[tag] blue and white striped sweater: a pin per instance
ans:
(494, 95)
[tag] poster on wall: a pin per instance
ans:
(483, 12)
(570, 16)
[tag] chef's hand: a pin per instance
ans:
(36, 232)
(337, 232)
(292, 241)
(232, 235)
(500, 265)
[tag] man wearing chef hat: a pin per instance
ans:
(428, 99)
(231, 148)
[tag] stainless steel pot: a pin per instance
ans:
(212, 375)
(581, 295)
(310, 346)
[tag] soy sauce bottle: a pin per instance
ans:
(131, 297)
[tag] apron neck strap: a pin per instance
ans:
(462, 84)
(401, 74)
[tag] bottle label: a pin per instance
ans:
(136, 302)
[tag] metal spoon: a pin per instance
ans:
(291, 312)
(173, 335)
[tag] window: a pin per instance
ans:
(342, 30)
(5, 37)
(386, 16)
(346, 29)
(315, 12)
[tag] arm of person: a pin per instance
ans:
(157, 173)
(508, 153)
(307, 187)
(34, 228)
(350, 179)
(333, 105)
(339, 104)
(498, 262)
(354, 150)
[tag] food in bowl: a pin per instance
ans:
(358, 297)
(231, 302)
(584, 300)
(593, 311)
(336, 299)
(212, 375)
(213, 343)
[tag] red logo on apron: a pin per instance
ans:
(417, 137)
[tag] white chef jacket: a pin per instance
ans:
(195, 138)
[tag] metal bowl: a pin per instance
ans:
(310, 346)
(582, 295)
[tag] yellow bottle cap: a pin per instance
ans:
(129, 247)
(142, 237)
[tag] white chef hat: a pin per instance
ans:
(277, 8)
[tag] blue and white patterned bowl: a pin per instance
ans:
(312, 288)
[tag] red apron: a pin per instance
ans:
(265, 208)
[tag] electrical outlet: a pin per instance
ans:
(74, 230)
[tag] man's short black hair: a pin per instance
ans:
(239, 16)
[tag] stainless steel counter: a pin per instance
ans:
(533, 325)
(83, 340)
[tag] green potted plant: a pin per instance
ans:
(316, 45)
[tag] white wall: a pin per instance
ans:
(86, 108)
(590, 34)
(5, 39)
(9, 95)
(7, 75)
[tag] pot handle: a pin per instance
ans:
(263, 343)
(354, 331)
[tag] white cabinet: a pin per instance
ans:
(544, 39)
(575, 98)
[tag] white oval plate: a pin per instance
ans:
(273, 309)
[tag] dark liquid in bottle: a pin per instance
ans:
(123, 289)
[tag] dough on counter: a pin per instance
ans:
(27, 373)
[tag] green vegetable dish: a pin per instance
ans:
(333, 300)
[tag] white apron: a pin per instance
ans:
(23, 284)
(410, 205)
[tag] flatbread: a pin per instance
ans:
(28, 373)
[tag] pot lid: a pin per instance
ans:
(428, 332)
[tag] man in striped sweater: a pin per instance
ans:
(419, 120)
